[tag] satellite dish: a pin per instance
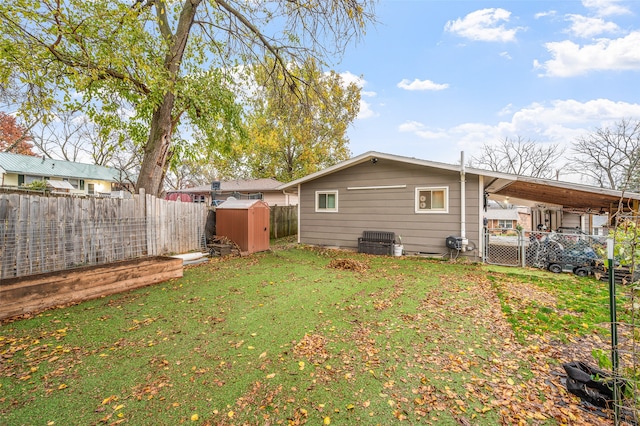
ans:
(231, 199)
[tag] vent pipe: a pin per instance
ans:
(463, 203)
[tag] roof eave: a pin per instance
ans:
(367, 156)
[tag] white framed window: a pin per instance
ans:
(76, 183)
(326, 201)
(432, 199)
(506, 224)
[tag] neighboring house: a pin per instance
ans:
(216, 192)
(600, 225)
(508, 218)
(64, 177)
(422, 201)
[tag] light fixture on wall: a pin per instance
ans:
(374, 160)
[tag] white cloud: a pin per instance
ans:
(556, 122)
(584, 26)
(606, 7)
(569, 59)
(411, 126)
(484, 25)
(421, 131)
(507, 110)
(366, 111)
(545, 14)
(505, 55)
(349, 78)
(421, 85)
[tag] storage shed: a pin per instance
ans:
(245, 222)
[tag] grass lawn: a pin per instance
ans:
(308, 336)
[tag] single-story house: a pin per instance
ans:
(511, 217)
(64, 177)
(423, 202)
(218, 191)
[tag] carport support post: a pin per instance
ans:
(614, 330)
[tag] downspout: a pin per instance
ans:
(299, 218)
(284, 191)
(287, 197)
(463, 203)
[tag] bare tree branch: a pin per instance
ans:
(521, 157)
(610, 156)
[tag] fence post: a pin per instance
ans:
(614, 330)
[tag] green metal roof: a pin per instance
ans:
(39, 166)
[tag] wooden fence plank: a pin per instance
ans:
(11, 205)
(44, 234)
(283, 221)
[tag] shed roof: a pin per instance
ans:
(240, 204)
(575, 196)
(40, 166)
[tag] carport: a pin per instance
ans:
(577, 198)
(557, 199)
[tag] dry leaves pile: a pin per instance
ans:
(348, 265)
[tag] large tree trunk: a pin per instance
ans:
(155, 157)
(154, 162)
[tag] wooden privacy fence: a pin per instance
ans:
(283, 221)
(46, 234)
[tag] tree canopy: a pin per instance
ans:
(294, 133)
(156, 69)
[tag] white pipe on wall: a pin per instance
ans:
(299, 203)
(463, 203)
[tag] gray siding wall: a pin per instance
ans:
(388, 209)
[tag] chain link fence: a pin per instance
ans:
(623, 357)
(577, 252)
(32, 248)
(557, 252)
(503, 246)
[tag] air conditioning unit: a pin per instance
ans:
(454, 243)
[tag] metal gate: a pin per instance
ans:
(503, 246)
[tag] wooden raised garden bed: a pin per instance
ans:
(36, 293)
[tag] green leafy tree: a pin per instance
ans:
(294, 133)
(155, 68)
